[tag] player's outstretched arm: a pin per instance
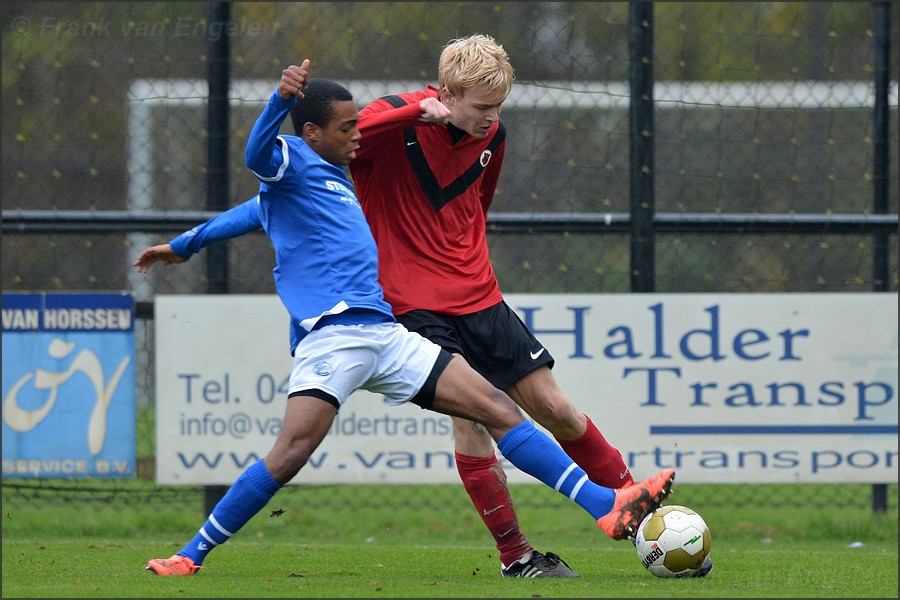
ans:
(227, 225)
(162, 253)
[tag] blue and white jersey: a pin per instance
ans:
(326, 261)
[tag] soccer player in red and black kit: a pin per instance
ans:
(425, 174)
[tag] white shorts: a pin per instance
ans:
(383, 358)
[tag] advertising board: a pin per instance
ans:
(722, 387)
(68, 385)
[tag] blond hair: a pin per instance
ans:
(477, 60)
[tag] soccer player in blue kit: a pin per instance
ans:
(345, 337)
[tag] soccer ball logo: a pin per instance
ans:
(673, 541)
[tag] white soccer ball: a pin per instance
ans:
(673, 541)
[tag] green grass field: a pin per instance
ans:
(65, 550)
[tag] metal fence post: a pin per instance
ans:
(641, 164)
(219, 81)
(881, 172)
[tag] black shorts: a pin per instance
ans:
(494, 341)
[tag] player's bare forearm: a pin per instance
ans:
(162, 253)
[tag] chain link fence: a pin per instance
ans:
(760, 109)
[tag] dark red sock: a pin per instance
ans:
(485, 482)
(602, 462)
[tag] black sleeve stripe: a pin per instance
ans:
(393, 100)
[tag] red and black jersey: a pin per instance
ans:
(426, 193)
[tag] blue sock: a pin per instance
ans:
(246, 497)
(534, 453)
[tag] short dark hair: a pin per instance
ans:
(315, 105)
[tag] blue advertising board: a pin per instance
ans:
(68, 385)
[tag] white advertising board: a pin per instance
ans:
(724, 388)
